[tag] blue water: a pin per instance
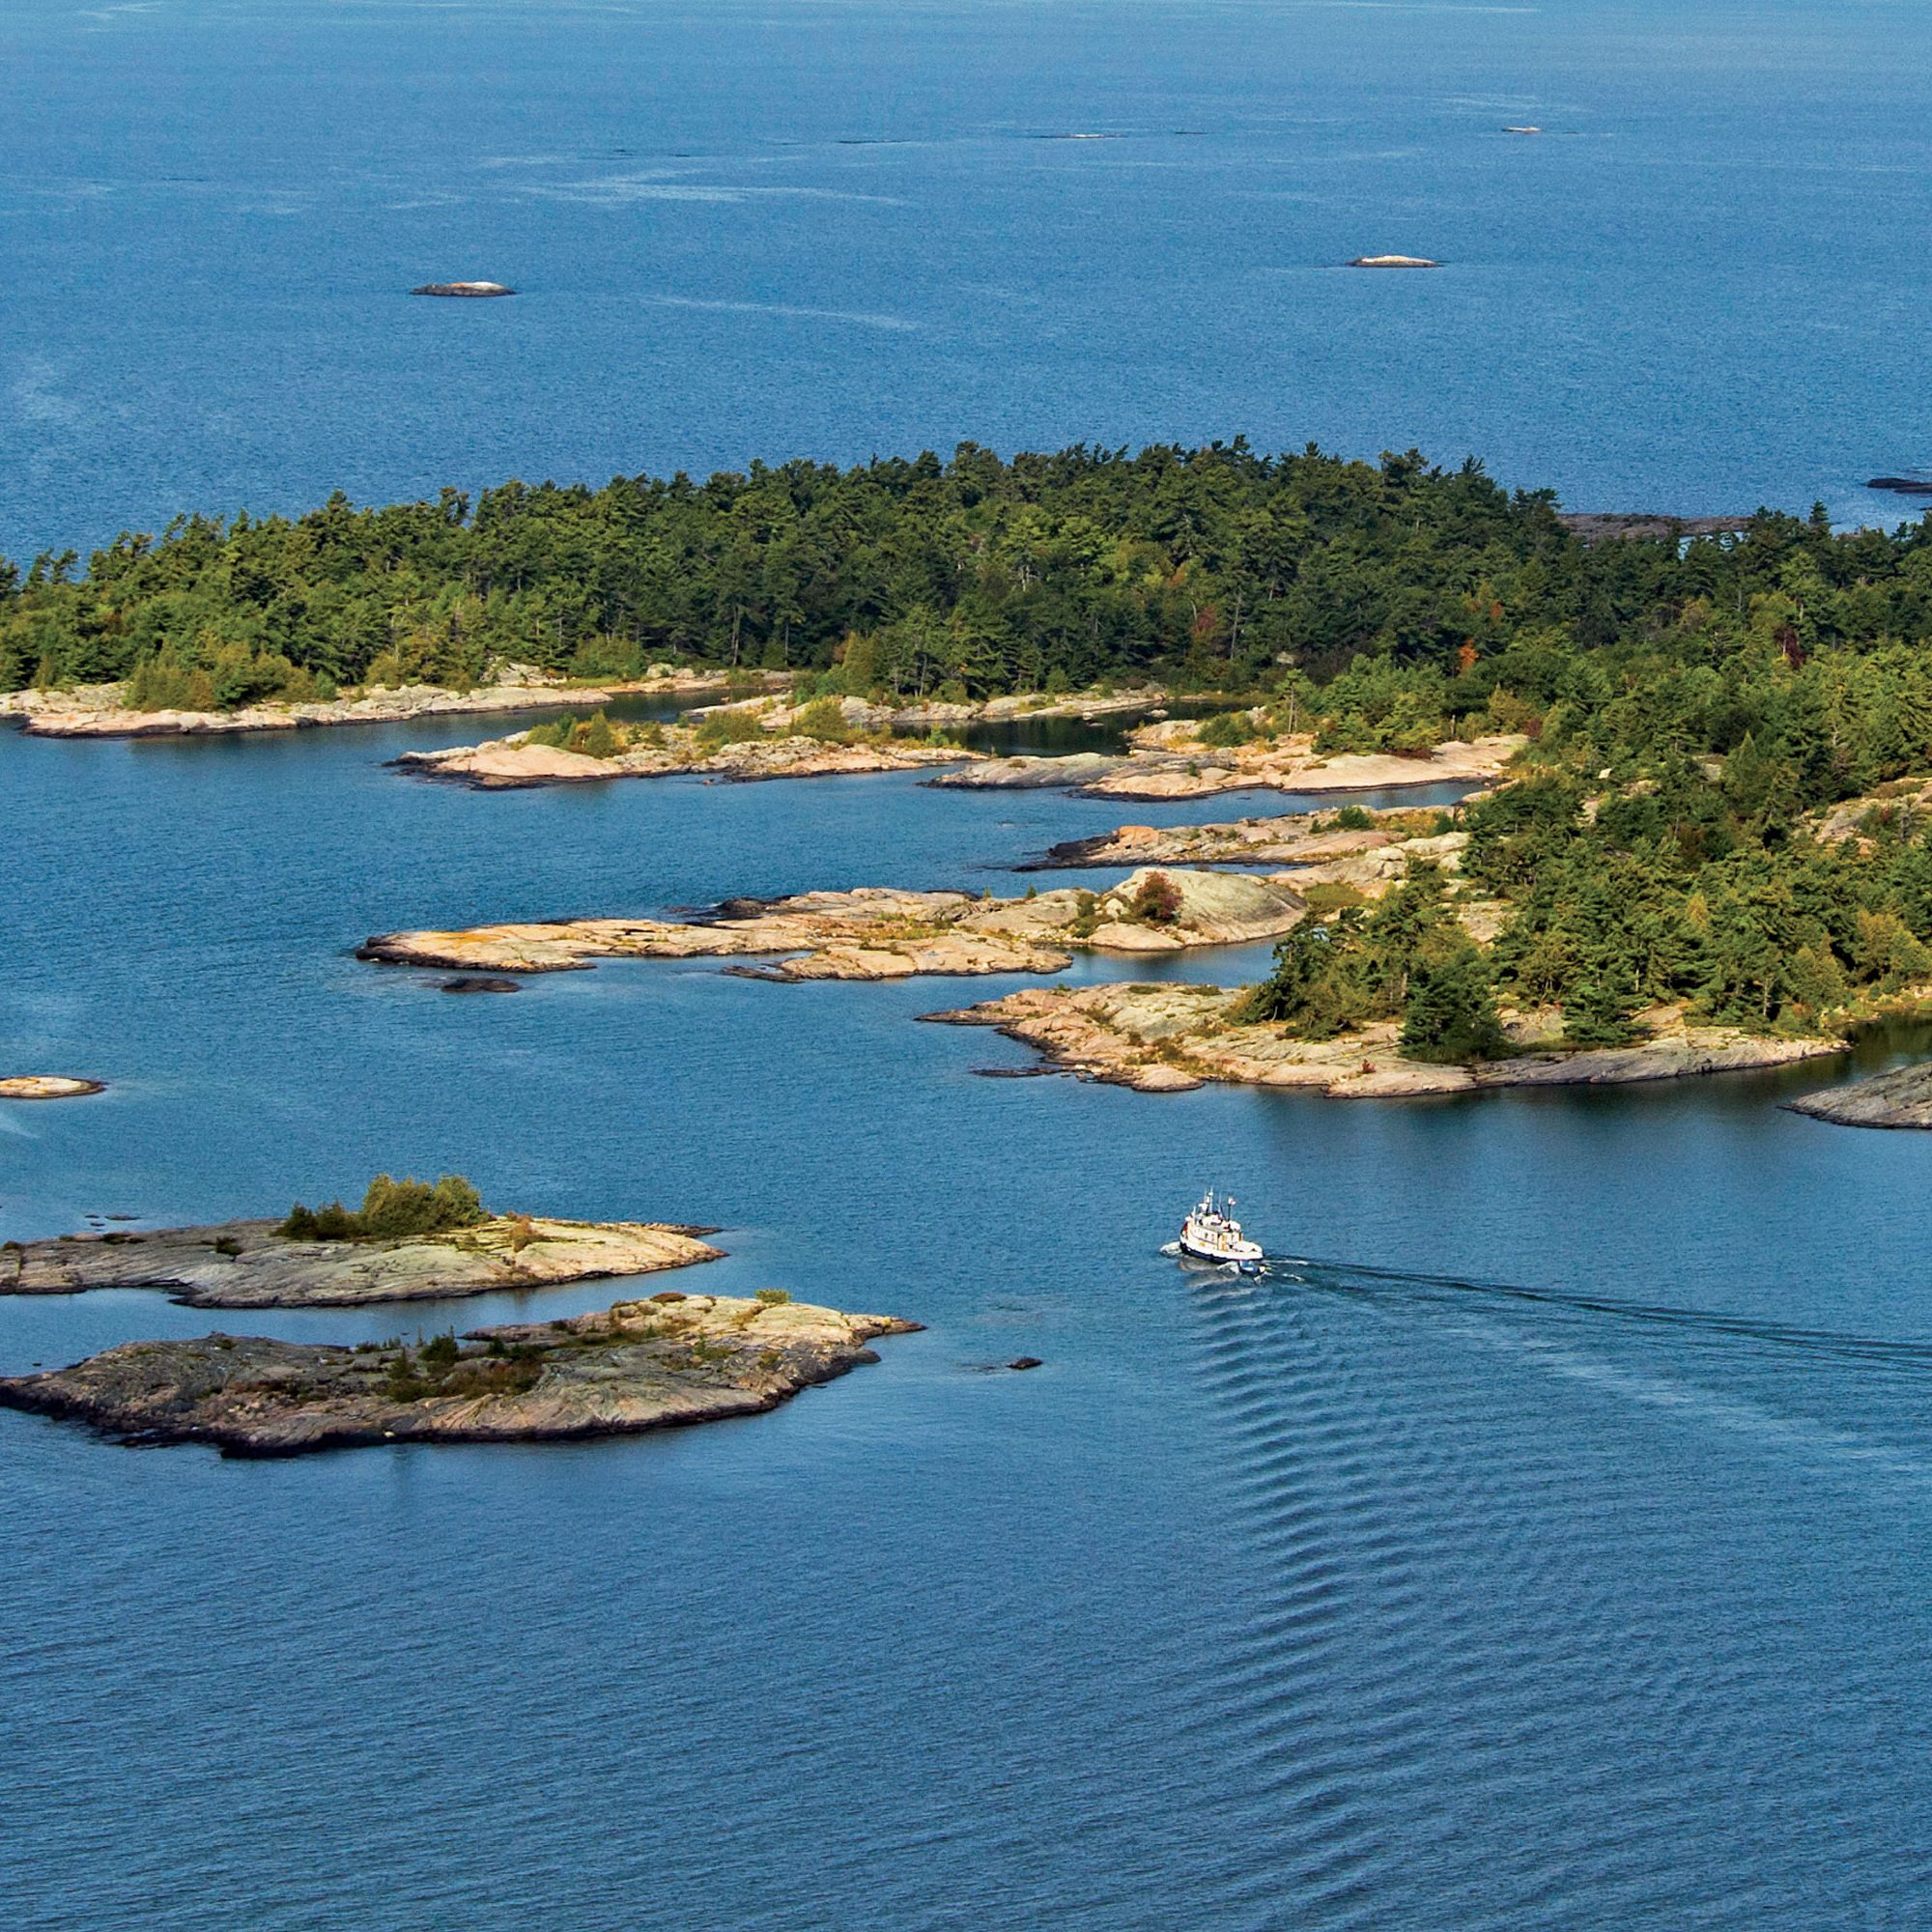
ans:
(833, 227)
(1539, 1545)
(1372, 1594)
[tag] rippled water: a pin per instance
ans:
(1540, 1543)
(829, 228)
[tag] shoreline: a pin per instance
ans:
(1175, 1038)
(94, 711)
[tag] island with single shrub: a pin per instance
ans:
(882, 932)
(409, 1241)
(660, 1363)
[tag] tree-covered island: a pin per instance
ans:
(1715, 814)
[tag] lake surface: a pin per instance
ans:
(829, 228)
(1540, 1543)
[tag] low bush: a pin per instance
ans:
(1229, 729)
(1157, 903)
(729, 728)
(390, 1208)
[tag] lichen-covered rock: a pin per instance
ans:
(639, 1365)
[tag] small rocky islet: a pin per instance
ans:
(668, 1362)
(256, 1264)
(49, 1087)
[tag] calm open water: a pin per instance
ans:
(769, 228)
(1539, 1545)
(1543, 1544)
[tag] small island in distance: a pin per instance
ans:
(462, 288)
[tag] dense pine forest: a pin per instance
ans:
(1213, 566)
(1690, 706)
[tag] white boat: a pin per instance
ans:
(1211, 1233)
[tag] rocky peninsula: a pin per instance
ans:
(1901, 1099)
(252, 1264)
(101, 710)
(885, 933)
(1169, 1038)
(654, 1364)
(1172, 762)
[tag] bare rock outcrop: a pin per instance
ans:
(639, 1365)
(1167, 1038)
(47, 1086)
(1169, 762)
(883, 933)
(249, 1265)
(1901, 1099)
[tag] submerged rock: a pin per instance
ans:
(476, 982)
(638, 1365)
(249, 1265)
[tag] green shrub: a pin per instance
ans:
(773, 1297)
(1353, 818)
(390, 1208)
(822, 719)
(1229, 729)
(729, 728)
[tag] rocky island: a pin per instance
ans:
(884, 933)
(660, 1363)
(472, 291)
(47, 1086)
(331, 1259)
